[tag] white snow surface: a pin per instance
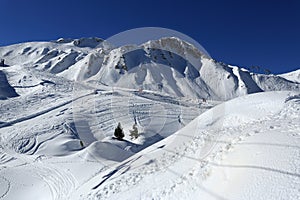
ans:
(247, 148)
(293, 76)
(60, 102)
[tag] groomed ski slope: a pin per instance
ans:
(246, 148)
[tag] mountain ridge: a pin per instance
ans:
(168, 65)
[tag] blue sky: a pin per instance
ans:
(262, 33)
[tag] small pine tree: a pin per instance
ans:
(134, 133)
(119, 134)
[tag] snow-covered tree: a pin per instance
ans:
(134, 133)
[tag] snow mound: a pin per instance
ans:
(105, 151)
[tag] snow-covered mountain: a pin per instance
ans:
(60, 102)
(168, 65)
(292, 76)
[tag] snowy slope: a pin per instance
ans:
(55, 128)
(55, 56)
(243, 149)
(292, 76)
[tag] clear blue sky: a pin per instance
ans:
(246, 33)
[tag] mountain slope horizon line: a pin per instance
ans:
(168, 65)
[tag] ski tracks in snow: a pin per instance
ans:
(60, 182)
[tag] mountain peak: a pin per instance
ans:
(91, 42)
(176, 45)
